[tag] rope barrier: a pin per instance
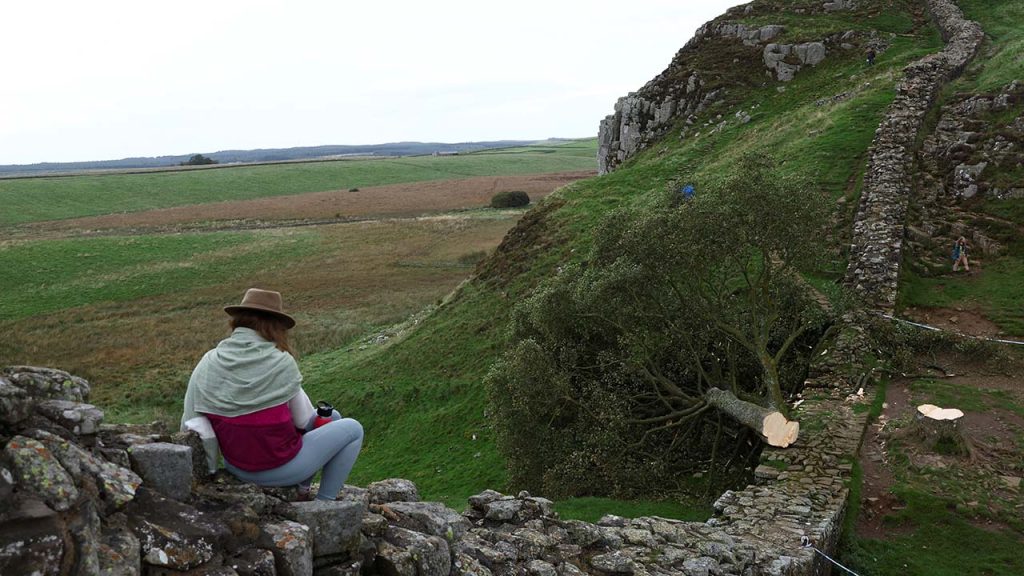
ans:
(935, 329)
(805, 542)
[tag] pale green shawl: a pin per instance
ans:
(243, 374)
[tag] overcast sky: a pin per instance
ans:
(96, 80)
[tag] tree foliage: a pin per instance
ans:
(198, 160)
(510, 199)
(602, 391)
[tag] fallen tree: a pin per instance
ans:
(672, 347)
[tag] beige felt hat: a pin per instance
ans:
(262, 301)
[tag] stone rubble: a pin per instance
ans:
(879, 226)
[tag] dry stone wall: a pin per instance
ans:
(879, 226)
(135, 500)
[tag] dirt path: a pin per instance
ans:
(398, 200)
(960, 320)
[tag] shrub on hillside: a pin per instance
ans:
(510, 199)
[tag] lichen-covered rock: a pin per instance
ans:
(393, 490)
(613, 563)
(37, 470)
(482, 499)
(15, 404)
(431, 518)
(164, 467)
(172, 534)
(504, 510)
(334, 525)
(119, 552)
(43, 383)
(465, 564)
(117, 485)
(31, 541)
(76, 417)
(201, 465)
(407, 553)
(253, 562)
(84, 527)
(291, 545)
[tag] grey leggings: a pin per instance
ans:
(332, 447)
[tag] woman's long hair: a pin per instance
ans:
(272, 328)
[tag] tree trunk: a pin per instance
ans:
(772, 425)
(939, 430)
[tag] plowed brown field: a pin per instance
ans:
(397, 200)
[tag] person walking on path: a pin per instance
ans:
(249, 389)
(960, 255)
(871, 56)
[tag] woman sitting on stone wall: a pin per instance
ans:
(250, 389)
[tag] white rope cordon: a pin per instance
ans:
(805, 542)
(934, 329)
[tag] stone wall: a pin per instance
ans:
(80, 497)
(879, 226)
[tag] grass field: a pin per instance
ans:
(36, 199)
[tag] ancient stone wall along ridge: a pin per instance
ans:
(124, 500)
(878, 229)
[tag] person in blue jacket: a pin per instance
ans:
(960, 255)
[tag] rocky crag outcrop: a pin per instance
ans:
(976, 142)
(81, 497)
(879, 226)
(684, 91)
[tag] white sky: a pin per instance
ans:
(96, 80)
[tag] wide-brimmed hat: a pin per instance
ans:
(266, 301)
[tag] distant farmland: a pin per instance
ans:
(35, 200)
(121, 278)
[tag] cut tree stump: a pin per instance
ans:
(940, 430)
(772, 425)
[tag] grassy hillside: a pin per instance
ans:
(37, 199)
(444, 442)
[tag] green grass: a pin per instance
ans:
(1002, 61)
(941, 507)
(57, 275)
(997, 289)
(421, 400)
(578, 148)
(931, 539)
(39, 199)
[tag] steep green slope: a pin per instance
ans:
(420, 393)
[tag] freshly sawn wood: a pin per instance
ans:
(772, 425)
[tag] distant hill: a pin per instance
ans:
(265, 155)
